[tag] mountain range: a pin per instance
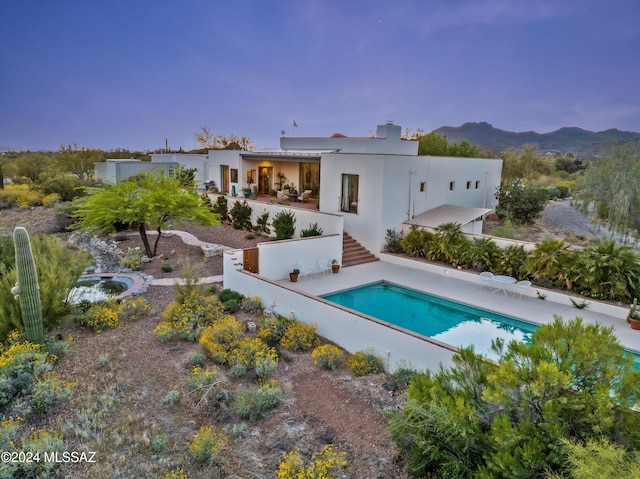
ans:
(582, 143)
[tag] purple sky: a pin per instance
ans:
(128, 74)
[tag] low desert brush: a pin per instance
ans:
(208, 445)
(327, 356)
(299, 336)
(220, 338)
(362, 363)
(326, 464)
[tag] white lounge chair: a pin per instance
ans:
(521, 287)
(324, 266)
(305, 271)
(306, 194)
(486, 277)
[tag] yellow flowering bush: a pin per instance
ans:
(199, 378)
(48, 390)
(132, 308)
(327, 356)
(20, 195)
(36, 441)
(177, 474)
(323, 465)
(208, 444)
(221, 337)
(251, 304)
(365, 362)
(51, 199)
(272, 329)
(299, 336)
(99, 317)
(164, 331)
(190, 317)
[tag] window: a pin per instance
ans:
(349, 200)
(170, 172)
(251, 177)
(477, 184)
(234, 175)
(452, 185)
(468, 185)
(423, 186)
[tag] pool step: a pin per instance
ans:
(354, 253)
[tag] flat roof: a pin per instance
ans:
(447, 214)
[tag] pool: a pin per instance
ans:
(447, 321)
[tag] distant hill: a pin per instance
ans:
(582, 143)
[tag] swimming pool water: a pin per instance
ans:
(450, 322)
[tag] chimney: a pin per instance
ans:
(389, 131)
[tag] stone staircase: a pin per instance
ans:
(354, 253)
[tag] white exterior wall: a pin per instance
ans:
(353, 332)
(365, 225)
(198, 161)
(119, 170)
(276, 259)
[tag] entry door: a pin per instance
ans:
(224, 178)
(265, 174)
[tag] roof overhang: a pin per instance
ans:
(448, 214)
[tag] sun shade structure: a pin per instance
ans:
(448, 214)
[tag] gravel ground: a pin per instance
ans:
(564, 217)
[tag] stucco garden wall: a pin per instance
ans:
(353, 332)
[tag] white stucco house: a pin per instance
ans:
(116, 170)
(375, 183)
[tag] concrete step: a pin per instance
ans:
(354, 253)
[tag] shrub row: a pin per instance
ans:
(606, 271)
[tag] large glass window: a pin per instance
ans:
(349, 201)
(310, 178)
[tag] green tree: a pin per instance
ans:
(147, 200)
(77, 160)
(463, 149)
(573, 382)
(522, 164)
(432, 144)
(611, 187)
(521, 204)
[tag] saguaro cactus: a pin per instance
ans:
(27, 290)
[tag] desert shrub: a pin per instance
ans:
(312, 230)
(564, 190)
(362, 363)
(262, 224)
(58, 266)
(326, 464)
(284, 224)
(231, 305)
(299, 336)
(34, 441)
(27, 384)
(255, 403)
(188, 319)
(99, 317)
(251, 304)
(401, 378)
(240, 215)
(7, 252)
(208, 389)
(177, 474)
(393, 241)
(227, 294)
(238, 371)
(554, 193)
(253, 353)
(172, 398)
(48, 391)
(220, 338)
(272, 329)
(132, 308)
(327, 356)
(65, 186)
(220, 208)
(208, 445)
(166, 268)
(133, 259)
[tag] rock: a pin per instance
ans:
(210, 249)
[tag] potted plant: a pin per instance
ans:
(335, 266)
(633, 318)
(246, 192)
(293, 276)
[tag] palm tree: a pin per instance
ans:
(549, 263)
(513, 261)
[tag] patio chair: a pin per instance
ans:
(305, 271)
(521, 287)
(486, 277)
(324, 266)
(306, 194)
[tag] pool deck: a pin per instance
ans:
(471, 292)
